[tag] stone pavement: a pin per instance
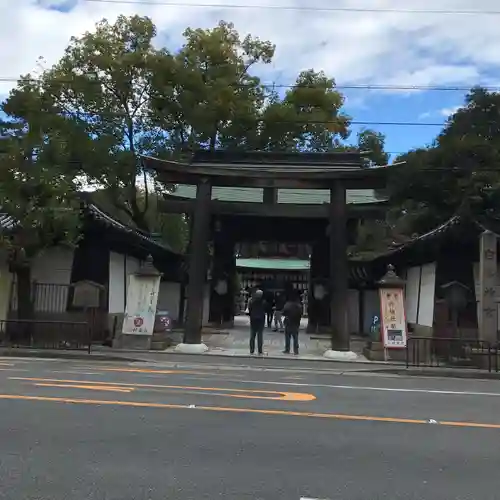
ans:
(234, 342)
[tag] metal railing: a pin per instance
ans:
(452, 353)
(68, 335)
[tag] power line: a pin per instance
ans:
(169, 3)
(105, 115)
(374, 87)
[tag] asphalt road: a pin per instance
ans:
(73, 430)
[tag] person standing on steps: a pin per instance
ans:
(292, 311)
(257, 311)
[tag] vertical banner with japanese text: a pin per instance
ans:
(140, 310)
(393, 318)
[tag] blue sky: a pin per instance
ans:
(361, 46)
(427, 111)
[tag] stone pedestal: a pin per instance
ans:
(191, 348)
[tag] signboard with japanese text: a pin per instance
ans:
(140, 311)
(393, 318)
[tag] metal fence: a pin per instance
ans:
(47, 297)
(38, 334)
(452, 353)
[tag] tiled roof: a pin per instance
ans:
(295, 196)
(7, 222)
(97, 214)
(460, 226)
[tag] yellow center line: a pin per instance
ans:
(333, 416)
(91, 387)
(236, 393)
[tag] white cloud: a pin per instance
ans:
(424, 116)
(446, 112)
(441, 113)
(354, 47)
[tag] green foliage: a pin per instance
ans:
(102, 83)
(460, 171)
(35, 188)
(374, 143)
(204, 95)
(114, 96)
(308, 118)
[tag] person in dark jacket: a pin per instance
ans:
(292, 312)
(257, 312)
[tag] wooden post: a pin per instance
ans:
(270, 196)
(488, 312)
(338, 268)
(181, 316)
(198, 260)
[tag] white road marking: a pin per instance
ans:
(367, 388)
(76, 371)
(309, 498)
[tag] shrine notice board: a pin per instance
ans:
(393, 318)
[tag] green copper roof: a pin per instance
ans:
(280, 264)
(295, 196)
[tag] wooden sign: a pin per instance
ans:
(393, 318)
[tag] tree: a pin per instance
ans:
(35, 189)
(308, 118)
(204, 95)
(460, 171)
(103, 83)
(374, 143)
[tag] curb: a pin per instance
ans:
(465, 374)
(15, 353)
(319, 359)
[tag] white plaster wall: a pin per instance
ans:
(412, 293)
(120, 267)
(169, 297)
(427, 292)
(117, 283)
(420, 291)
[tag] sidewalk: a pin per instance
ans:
(235, 342)
(107, 354)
